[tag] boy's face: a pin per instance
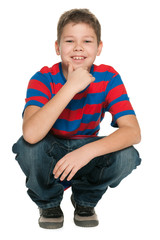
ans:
(78, 45)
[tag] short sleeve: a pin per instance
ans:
(117, 101)
(38, 91)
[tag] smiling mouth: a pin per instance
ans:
(78, 58)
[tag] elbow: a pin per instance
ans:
(29, 136)
(137, 136)
(29, 139)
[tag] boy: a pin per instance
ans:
(64, 107)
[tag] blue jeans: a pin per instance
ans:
(37, 161)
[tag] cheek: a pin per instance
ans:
(65, 52)
(92, 51)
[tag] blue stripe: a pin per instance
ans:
(95, 98)
(65, 125)
(34, 93)
(121, 114)
(88, 131)
(44, 78)
(35, 103)
(114, 82)
(99, 76)
(123, 97)
(92, 98)
(57, 78)
(87, 118)
(76, 104)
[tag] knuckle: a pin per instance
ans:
(58, 164)
(73, 172)
(60, 169)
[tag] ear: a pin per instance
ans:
(57, 48)
(99, 48)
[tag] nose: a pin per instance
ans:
(78, 47)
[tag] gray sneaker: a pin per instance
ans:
(51, 218)
(84, 216)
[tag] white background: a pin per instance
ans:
(130, 32)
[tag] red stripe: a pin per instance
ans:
(98, 87)
(52, 89)
(78, 114)
(83, 126)
(53, 70)
(90, 125)
(93, 88)
(35, 84)
(93, 108)
(104, 68)
(79, 96)
(38, 98)
(71, 115)
(120, 107)
(115, 93)
(70, 135)
(45, 70)
(57, 87)
(63, 134)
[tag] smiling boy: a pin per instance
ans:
(65, 104)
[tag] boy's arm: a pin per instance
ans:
(37, 121)
(127, 135)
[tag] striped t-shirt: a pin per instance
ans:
(82, 116)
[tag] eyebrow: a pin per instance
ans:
(71, 36)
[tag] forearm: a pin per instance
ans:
(78, 158)
(39, 124)
(120, 139)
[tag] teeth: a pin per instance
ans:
(78, 58)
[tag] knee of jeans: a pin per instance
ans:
(28, 155)
(129, 158)
(27, 150)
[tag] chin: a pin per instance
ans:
(82, 66)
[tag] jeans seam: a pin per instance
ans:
(50, 170)
(100, 175)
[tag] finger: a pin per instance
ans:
(59, 172)
(85, 68)
(58, 167)
(93, 79)
(71, 175)
(70, 67)
(65, 173)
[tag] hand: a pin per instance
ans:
(79, 78)
(70, 164)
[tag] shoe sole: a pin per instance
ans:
(90, 221)
(51, 223)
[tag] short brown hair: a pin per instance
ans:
(79, 16)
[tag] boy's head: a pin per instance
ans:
(79, 16)
(78, 39)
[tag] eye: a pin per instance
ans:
(69, 41)
(87, 41)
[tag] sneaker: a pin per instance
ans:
(84, 216)
(51, 218)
